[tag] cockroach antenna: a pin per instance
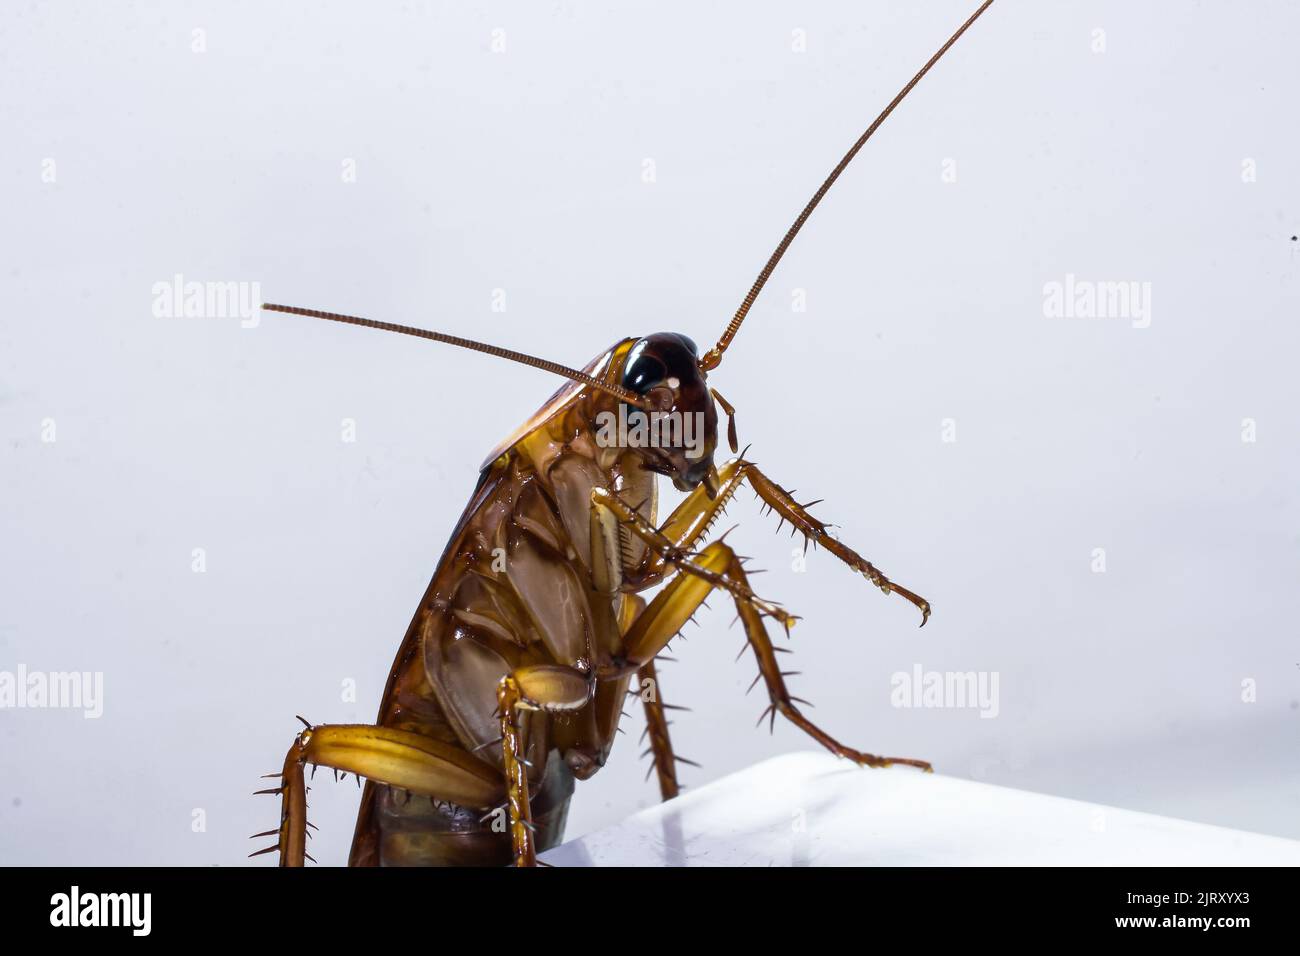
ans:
(627, 395)
(713, 357)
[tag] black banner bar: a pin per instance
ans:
(257, 905)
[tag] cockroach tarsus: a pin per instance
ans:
(511, 679)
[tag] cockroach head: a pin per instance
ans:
(676, 431)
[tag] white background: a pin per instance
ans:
(523, 171)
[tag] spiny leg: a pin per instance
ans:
(692, 519)
(688, 525)
(781, 701)
(674, 605)
(523, 846)
(663, 760)
(397, 758)
(549, 687)
(692, 566)
(656, 728)
(779, 500)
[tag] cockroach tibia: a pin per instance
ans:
(511, 678)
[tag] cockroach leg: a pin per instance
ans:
(673, 606)
(780, 501)
(549, 687)
(688, 524)
(688, 564)
(780, 698)
(522, 843)
(661, 746)
(693, 518)
(397, 758)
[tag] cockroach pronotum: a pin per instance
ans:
(510, 681)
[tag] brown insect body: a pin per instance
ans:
(512, 590)
(511, 680)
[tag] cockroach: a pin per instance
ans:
(510, 681)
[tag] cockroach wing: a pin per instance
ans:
(465, 672)
(555, 598)
(564, 395)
